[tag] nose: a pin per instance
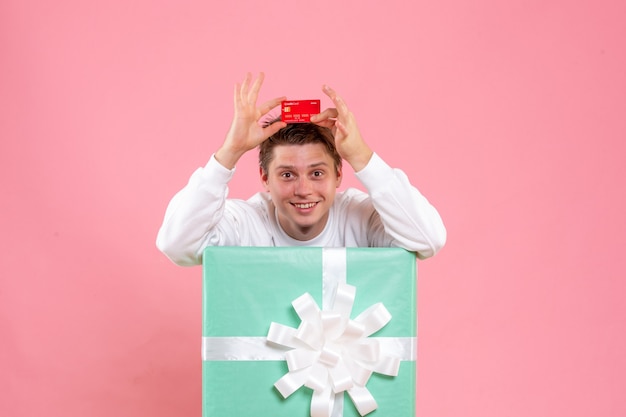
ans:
(302, 186)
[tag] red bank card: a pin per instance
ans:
(298, 111)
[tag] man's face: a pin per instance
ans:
(302, 182)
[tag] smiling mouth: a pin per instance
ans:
(304, 205)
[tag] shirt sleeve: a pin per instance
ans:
(407, 216)
(193, 213)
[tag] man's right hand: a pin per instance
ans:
(245, 132)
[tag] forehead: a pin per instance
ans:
(300, 156)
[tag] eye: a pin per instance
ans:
(286, 175)
(318, 173)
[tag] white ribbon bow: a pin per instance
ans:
(332, 353)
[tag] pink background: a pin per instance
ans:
(508, 115)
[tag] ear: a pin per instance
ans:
(339, 176)
(264, 179)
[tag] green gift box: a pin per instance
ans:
(246, 289)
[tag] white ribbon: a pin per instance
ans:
(256, 348)
(331, 353)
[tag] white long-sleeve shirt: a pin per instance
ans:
(392, 213)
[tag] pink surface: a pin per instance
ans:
(509, 116)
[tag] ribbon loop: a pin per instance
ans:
(281, 335)
(290, 382)
(387, 365)
(374, 318)
(362, 399)
(300, 359)
(366, 349)
(306, 307)
(322, 403)
(311, 334)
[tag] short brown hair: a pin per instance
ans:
(299, 134)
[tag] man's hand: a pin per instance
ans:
(245, 131)
(348, 140)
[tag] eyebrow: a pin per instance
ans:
(314, 165)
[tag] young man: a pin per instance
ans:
(301, 169)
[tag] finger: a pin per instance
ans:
(270, 104)
(256, 87)
(341, 106)
(329, 123)
(341, 128)
(245, 85)
(273, 128)
(237, 96)
(326, 114)
(329, 92)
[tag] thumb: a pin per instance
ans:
(341, 128)
(273, 128)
